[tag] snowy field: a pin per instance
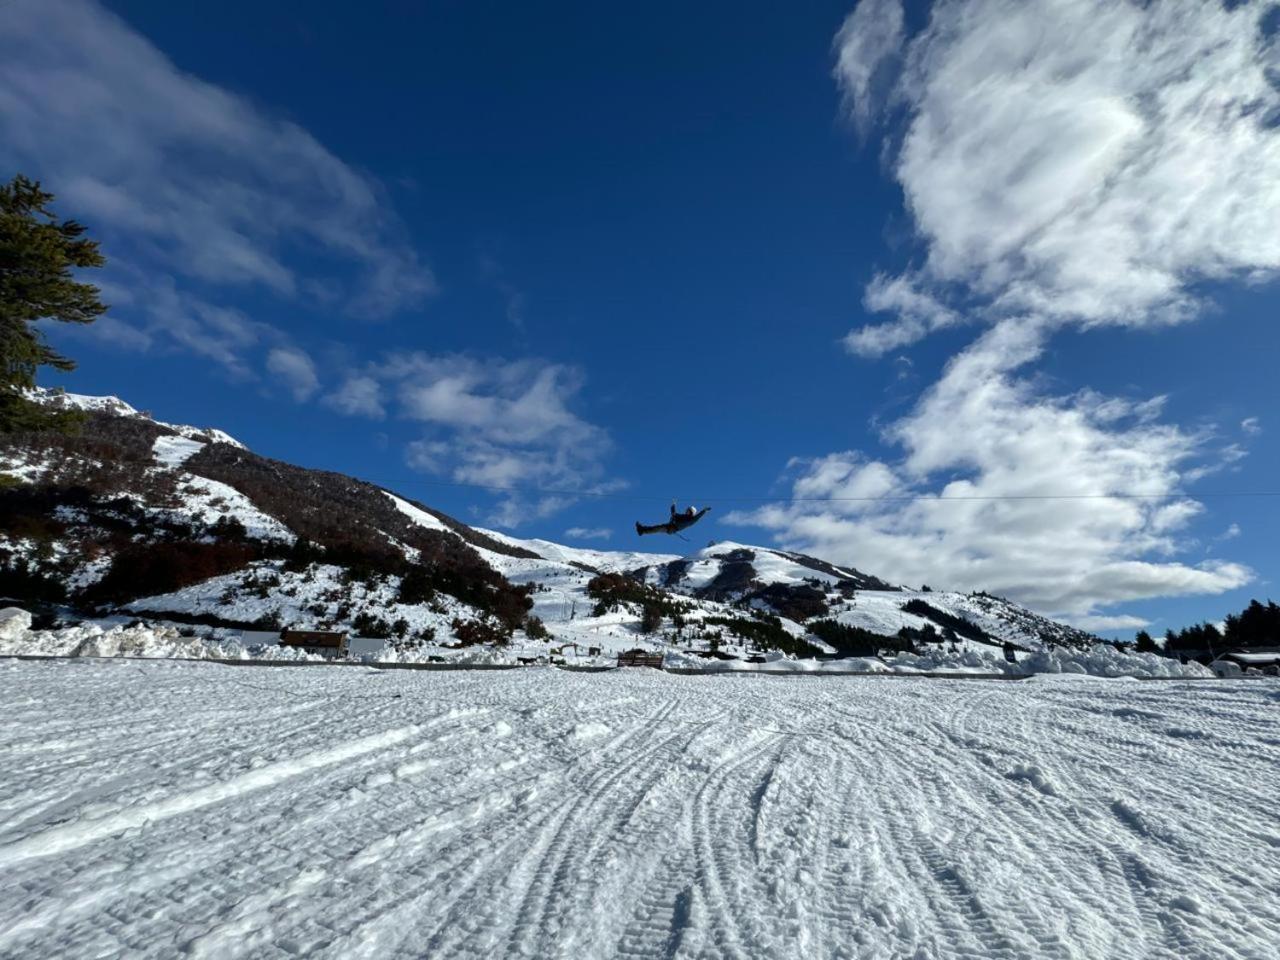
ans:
(163, 809)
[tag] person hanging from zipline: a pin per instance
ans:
(680, 520)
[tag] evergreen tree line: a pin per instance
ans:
(1258, 625)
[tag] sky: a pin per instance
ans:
(972, 293)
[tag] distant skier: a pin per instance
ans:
(680, 520)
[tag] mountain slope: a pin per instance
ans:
(137, 516)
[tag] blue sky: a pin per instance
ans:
(752, 256)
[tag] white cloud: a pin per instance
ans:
(359, 396)
(1232, 531)
(1013, 492)
(1067, 163)
(294, 368)
(589, 533)
(1087, 160)
(919, 314)
(506, 425)
(1251, 426)
(190, 186)
(867, 47)
(1118, 622)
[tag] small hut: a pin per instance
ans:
(640, 658)
(1241, 661)
(325, 643)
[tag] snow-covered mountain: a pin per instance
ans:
(139, 517)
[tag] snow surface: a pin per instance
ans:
(171, 451)
(420, 517)
(97, 640)
(205, 501)
(606, 561)
(117, 407)
(183, 809)
(771, 566)
(14, 624)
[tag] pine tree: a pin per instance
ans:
(38, 253)
(1143, 643)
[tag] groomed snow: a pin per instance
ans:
(172, 452)
(185, 809)
(418, 516)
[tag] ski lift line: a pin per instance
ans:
(913, 498)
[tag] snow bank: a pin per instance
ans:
(14, 623)
(92, 640)
(1100, 660)
(142, 640)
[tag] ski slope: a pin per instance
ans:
(162, 809)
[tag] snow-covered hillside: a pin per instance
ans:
(164, 809)
(184, 524)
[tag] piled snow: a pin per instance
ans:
(14, 624)
(1100, 660)
(93, 640)
(1104, 661)
(115, 639)
(183, 809)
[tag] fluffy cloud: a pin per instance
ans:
(868, 47)
(589, 533)
(504, 425)
(359, 396)
(919, 313)
(191, 186)
(1066, 164)
(1085, 160)
(1003, 489)
(1120, 622)
(295, 370)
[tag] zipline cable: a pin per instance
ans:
(782, 498)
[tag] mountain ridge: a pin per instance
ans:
(135, 516)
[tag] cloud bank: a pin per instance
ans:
(199, 193)
(1066, 164)
(503, 424)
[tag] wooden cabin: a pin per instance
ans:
(324, 643)
(1240, 661)
(640, 658)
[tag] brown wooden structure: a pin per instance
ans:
(324, 643)
(639, 658)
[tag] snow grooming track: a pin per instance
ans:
(164, 809)
(608, 799)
